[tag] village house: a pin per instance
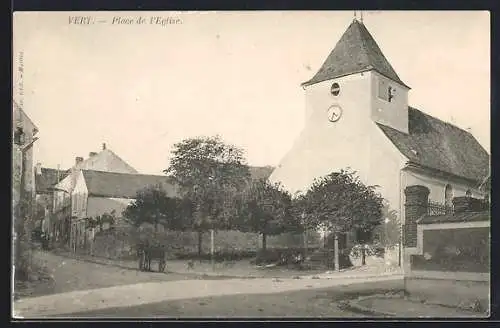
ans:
(63, 207)
(23, 192)
(358, 117)
(97, 193)
(24, 132)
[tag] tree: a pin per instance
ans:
(152, 205)
(208, 172)
(265, 208)
(340, 202)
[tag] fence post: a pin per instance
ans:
(336, 251)
(212, 248)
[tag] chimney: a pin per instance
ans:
(38, 169)
(417, 200)
(103, 146)
(92, 154)
(78, 160)
(467, 204)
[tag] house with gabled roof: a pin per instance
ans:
(358, 117)
(99, 192)
(63, 208)
(105, 160)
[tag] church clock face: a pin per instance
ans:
(334, 113)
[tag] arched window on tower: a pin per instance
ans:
(448, 198)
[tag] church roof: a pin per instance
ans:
(355, 52)
(438, 145)
(124, 185)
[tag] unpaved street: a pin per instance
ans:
(311, 302)
(71, 275)
(94, 290)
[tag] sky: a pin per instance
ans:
(140, 88)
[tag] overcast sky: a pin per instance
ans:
(141, 88)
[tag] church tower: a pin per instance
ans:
(356, 70)
(355, 89)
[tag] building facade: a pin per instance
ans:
(63, 207)
(23, 132)
(97, 193)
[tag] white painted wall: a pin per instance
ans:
(437, 185)
(354, 141)
(393, 113)
(324, 147)
(79, 197)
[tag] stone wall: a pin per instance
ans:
(119, 243)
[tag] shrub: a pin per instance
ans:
(281, 256)
(370, 250)
(219, 255)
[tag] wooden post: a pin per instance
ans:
(336, 251)
(305, 243)
(212, 247)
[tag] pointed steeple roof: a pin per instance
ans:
(355, 52)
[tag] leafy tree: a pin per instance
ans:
(152, 205)
(265, 208)
(208, 172)
(340, 202)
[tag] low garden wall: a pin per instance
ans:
(119, 242)
(457, 250)
(453, 266)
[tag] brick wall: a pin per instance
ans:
(415, 206)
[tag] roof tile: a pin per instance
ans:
(438, 145)
(124, 185)
(356, 51)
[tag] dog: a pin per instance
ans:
(190, 265)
